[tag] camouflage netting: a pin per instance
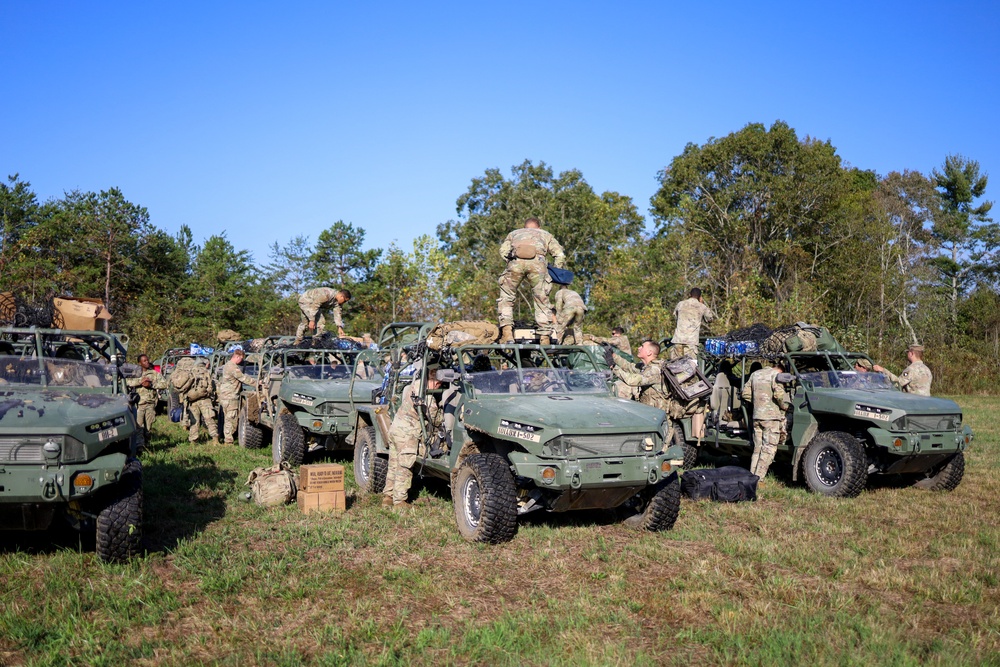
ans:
(18, 312)
(324, 341)
(775, 342)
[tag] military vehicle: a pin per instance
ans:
(526, 428)
(303, 397)
(844, 425)
(68, 438)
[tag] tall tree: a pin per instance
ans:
(19, 211)
(339, 258)
(967, 236)
(291, 268)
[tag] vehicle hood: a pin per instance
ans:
(578, 413)
(323, 391)
(901, 403)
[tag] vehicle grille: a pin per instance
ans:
(619, 444)
(19, 450)
(928, 423)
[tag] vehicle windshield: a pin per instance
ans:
(848, 380)
(539, 381)
(18, 371)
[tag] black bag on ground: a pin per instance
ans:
(729, 484)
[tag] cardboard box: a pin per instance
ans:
(321, 477)
(322, 501)
(80, 314)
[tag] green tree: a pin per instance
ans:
(292, 270)
(19, 210)
(966, 235)
(339, 258)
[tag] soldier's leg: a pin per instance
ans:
(208, 410)
(406, 440)
(509, 280)
(690, 351)
(771, 437)
(758, 436)
(303, 323)
(578, 326)
(541, 285)
(320, 323)
(559, 330)
(390, 475)
(195, 418)
(230, 415)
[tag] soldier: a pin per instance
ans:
(525, 250)
(146, 385)
(649, 381)
(618, 339)
(230, 387)
(404, 438)
(569, 311)
(314, 303)
(690, 313)
(915, 378)
(197, 392)
(769, 405)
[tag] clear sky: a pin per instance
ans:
(266, 120)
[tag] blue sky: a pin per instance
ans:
(266, 120)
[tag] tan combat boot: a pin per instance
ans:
(506, 334)
(386, 501)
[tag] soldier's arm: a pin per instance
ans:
(158, 381)
(747, 392)
(338, 315)
(506, 248)
(779, 393)
(708, 315)
(557, 252)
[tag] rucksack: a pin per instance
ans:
(728, 484)
(273, 486)
(201, 383)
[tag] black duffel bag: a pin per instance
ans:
(729, 484)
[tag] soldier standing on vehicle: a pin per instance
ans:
(525, 251)
(690, 313)
(198, 394)
(649, 380)
(230, 387)
(770, 402)
(915, 378)
(146, 385)
(404, 438)
(314, 303)
(569, 312)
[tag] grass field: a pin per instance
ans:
(895, 577)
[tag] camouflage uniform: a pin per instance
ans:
(690, 313)
(229, 390)
(198, 396)
(915, 378)
(404, 443)
(569, 311)
(769, 405)
(314, 303)
(535, 271)
(148, 397)
(652, 387)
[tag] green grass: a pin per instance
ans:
(894, 577)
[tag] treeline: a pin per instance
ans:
(774, 228)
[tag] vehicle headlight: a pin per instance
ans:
(108, 423)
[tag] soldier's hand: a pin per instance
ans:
(312, 325)
(146, 383)
(340, 331)
(877, 368)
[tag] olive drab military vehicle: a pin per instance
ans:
(525, 428)
(843, 425)
(303, 397)
(68, 438)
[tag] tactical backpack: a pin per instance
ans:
(201, 383)
(273, 486)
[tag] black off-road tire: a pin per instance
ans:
(119, 522)
(690, 451)
(946, 477)
(835, 464)
(288, 441)
(660, 508)
(250, 436)
(485, 499)
(370, 469)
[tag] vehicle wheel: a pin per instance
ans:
(370, 469)
(288, 441)
(662, 505)
(249, 435)
(119, 523)
(945, 478)
(835, 464)
(690, 451)
(485, 499)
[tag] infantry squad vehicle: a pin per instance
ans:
(68, 438)
(303, 398)
(844, 425)
(526, 428)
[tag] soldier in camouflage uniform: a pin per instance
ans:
(198, 395)
(915, 378)
(404, 439)
(230, 387)
(313, 303)
(690, 313)
(569, 311)
(146, 386)
(525, 250)
(618, 339)
(770, 402)
(649, 380)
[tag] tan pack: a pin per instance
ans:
(457, 334)
(525, 250)
(273, 486)
(228, 336)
